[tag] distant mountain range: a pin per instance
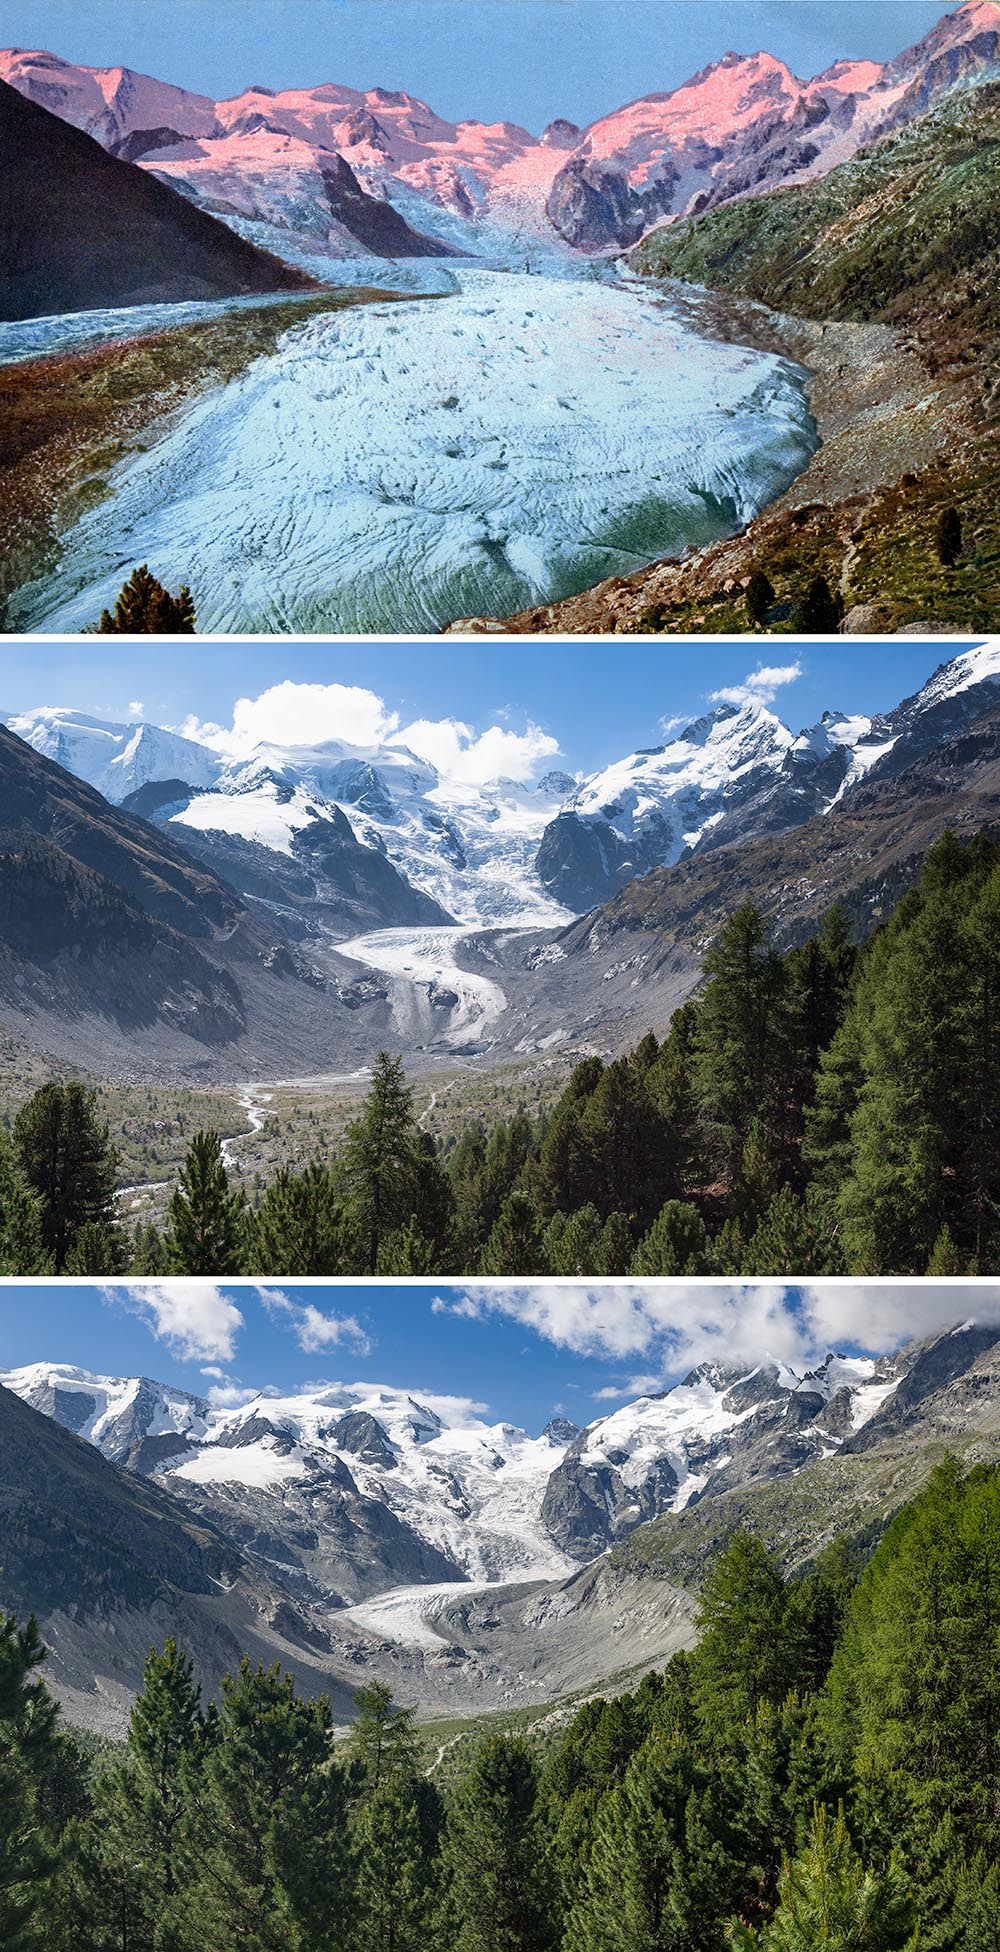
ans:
(302, 168)
(352, 1526)
(209, 915)
(502, 853)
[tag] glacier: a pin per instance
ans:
(388, 469)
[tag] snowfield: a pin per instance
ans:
(395, 467)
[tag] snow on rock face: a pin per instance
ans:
(115, 758)
(487, 1499)
(742, 124)
(384, 471)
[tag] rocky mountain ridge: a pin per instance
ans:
(376, 836)
(276, 162)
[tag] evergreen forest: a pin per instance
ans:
(828, 1109)
(818, 1775)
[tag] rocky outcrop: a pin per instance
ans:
(596, 208)
(375, 224)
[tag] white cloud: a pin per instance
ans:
(195, 1319)
(677, 1324)
(291, 714)
(312, 1329)
(136, 708)
(230, 1396)
(470, 758)
(759, 687)
(668, 726)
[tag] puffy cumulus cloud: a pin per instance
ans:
(879, 1315)
(196, 1320)
(470, 758)
(290, 714)
(136, 708)
(312, 1328)
(759, 687)
(230, 1396)
(677, 1325)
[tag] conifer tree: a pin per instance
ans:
(394, 1893)
(571, 1243)
(515, 1243)
(759, 596)
(144, 607)
(383, 1741)
(28, 1856)
(135, 1863)
(792, 1238)
(751, 1646)
(830, 1902)
(206, 1219)
(741, 1038)
(495, 1896)
(271, 1864)
(21, 1248)
(66, 1155)
(300, 1227)
(614, 1250)
(948, 537)
(675, 1244)
(381, 1160)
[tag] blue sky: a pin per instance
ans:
(596, 701)
(516, 60)
(524, 1351)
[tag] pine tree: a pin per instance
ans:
(571, 1243)
(135, 1864)
(28, 1720)
(206, 1220)
(300, 1227)
(21, 1248)
(144, 607)
(394, 1895)
(741, 1039)
(615, 1247)
(793, 1238)
(383, 1741)
(515, 1243)
(494, 1885)
(67, 1157)
(271, 1863)
(661, 1875)
(819, 610)
(759, 596)
(408, 1251)
(752, 1644)
(675, 1244)
(948, 537)
(381, 1161)
(830, 1902)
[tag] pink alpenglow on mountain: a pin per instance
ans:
(745, 123)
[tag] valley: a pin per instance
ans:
(472, 1566)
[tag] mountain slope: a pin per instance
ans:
(120, 948)
(111, 1565)
(738, 774)
(908, 225)
(82, 229)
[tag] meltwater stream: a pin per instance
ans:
(395, 466)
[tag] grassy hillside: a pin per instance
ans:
(910, 228)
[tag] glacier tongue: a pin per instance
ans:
(395, 467)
